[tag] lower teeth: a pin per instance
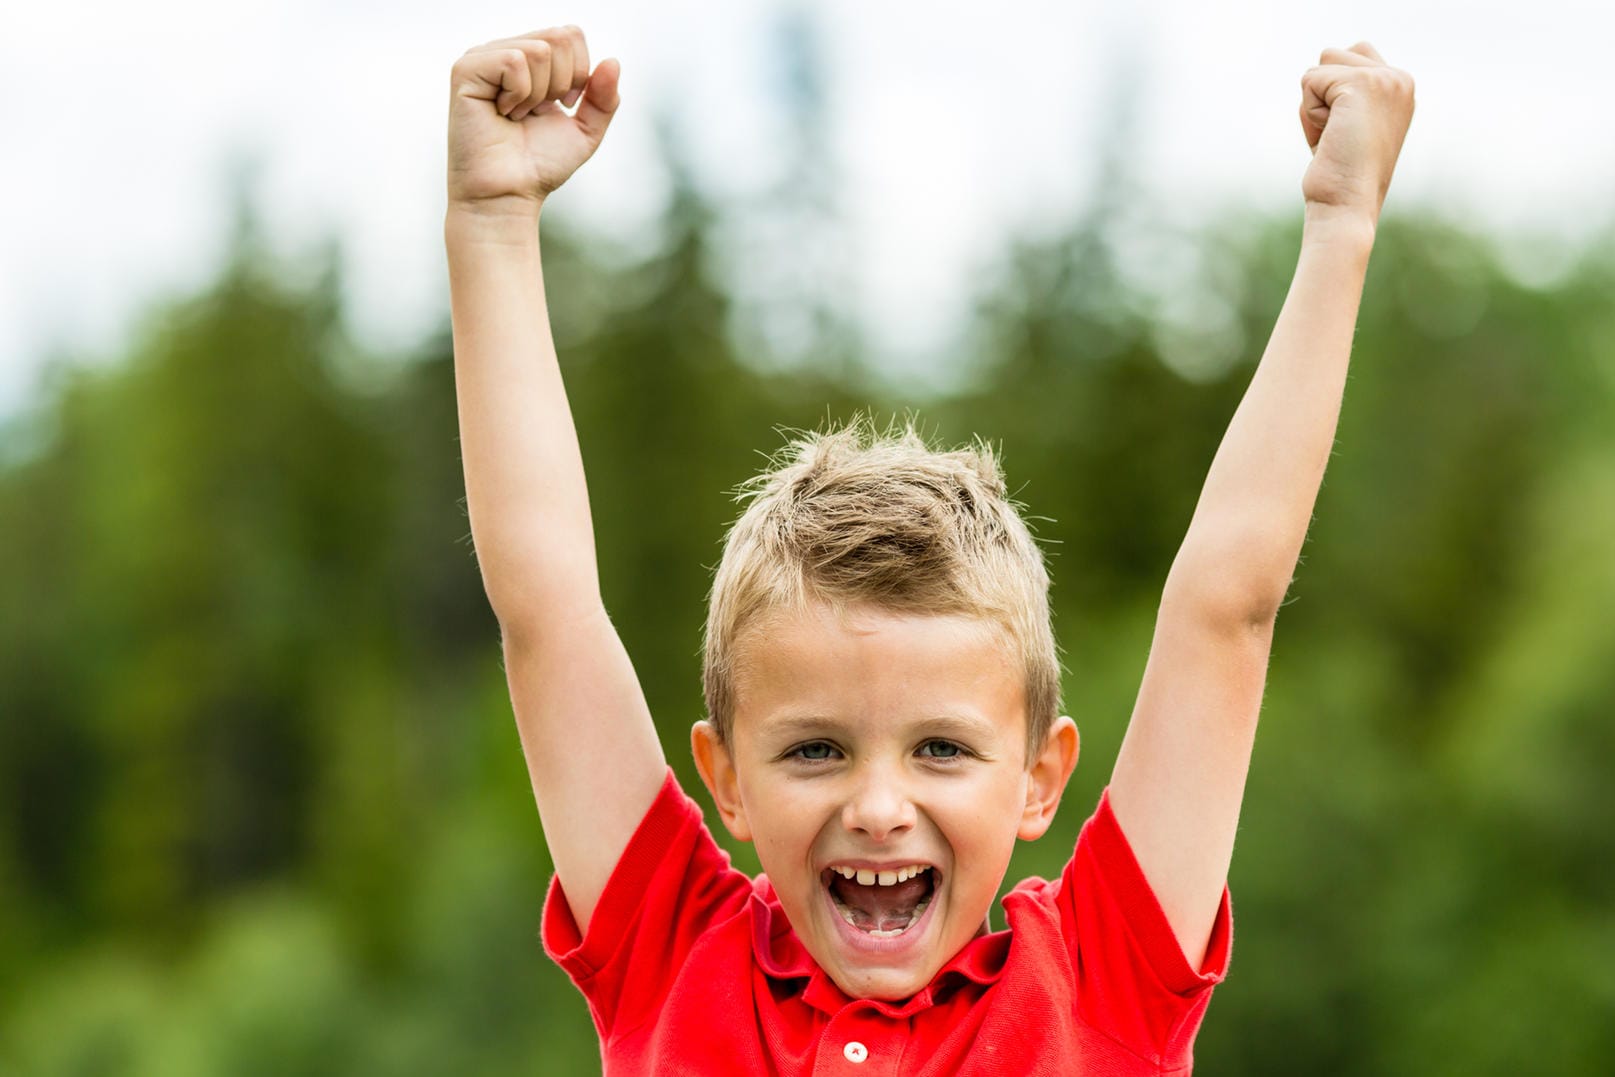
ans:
(913, 918)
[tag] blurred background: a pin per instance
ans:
(264, 807)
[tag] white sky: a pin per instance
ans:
(953, 125)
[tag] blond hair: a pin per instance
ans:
(854, 516)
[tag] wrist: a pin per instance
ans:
(1337, 225)
(502, 220)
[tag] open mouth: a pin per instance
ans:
(882, 903)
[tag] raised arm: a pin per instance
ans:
(591, 749)
(1180, 774)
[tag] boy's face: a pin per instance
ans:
(873, 743)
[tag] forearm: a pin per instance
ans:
(525, 490)
(1248, 527)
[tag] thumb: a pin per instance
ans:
(1315, 104)
(600, 100)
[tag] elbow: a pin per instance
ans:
(541, 625)
(1226, 599)
(534, 585)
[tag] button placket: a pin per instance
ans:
(859, 1040)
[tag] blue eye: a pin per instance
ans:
(941, 749)
(815, 752)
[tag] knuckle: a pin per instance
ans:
(470, 58)
(1385, 80)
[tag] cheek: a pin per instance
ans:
(982, 821)
(785, 818)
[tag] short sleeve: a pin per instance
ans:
(671, 883)
(1133, 981)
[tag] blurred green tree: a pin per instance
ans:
(265, 808)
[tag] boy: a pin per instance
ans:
(880, 675)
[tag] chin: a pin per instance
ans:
(885, 985)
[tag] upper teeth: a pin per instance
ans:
(866, 877)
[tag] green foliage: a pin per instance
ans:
(265, 810)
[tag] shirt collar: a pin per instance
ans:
(781, 955)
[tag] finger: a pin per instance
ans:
(1365, 49)
(560, 63)
(580, 65)
(600, 100)
(549, 53)
(499, 75)
(540, 60)
(1348, 58)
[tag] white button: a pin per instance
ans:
(855, 1051)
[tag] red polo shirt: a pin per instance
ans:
(690, 967)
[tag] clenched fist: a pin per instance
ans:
(1355, 111)
(511, 142)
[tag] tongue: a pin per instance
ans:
(882, 908)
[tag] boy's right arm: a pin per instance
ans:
(592, 752)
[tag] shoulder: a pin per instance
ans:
(671, 883)
(1132, 979)
(1107, 917)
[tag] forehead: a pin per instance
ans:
(872, 665)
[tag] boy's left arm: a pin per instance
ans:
(1180, 774)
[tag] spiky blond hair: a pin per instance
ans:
(853, 516)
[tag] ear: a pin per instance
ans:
(717, 769)
(1046, 777)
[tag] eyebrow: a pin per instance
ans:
(961, 726)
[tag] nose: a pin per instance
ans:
(878, 805)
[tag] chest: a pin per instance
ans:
(756, 1024)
